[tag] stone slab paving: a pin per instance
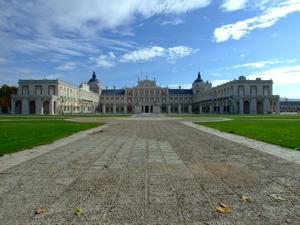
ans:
(151, 172)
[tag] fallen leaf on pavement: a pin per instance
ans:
(245, 198)
(40, 211)
(223, 208)
(78, 211)
(277, 197)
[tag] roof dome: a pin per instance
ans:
(199, 79)
(242, 78)
(94, 78)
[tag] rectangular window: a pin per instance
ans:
(241, 90)
(253, 91)
(38, 90)
(266, 90)
(51, 90)
(25, 90)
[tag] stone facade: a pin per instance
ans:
(53, 97)
(146, 97)
(238, 96)
(291, 106)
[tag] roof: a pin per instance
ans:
(113, 92)
(290, 102)
(199, 79)
(94, 78)
(180, 91)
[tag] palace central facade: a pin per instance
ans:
(56, 97)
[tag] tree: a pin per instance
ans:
(5, 97)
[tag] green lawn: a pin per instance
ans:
(239, 116)
(18, 135)
(280, 132)
(66, 116)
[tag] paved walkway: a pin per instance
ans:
(151, 172)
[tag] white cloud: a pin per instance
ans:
(148, 53)
(180, 51)
(67, 66)
(269, 17)
(84, 16)
(105, 61)
(233, 5)
(173, 22)
(143, 54)
(75, 29)
(262, 64)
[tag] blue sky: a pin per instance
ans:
(170, 40)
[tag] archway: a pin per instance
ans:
(260, 107)
(129, 109)
(18, 107)
(46, 107)
(146, 109)
(163, 108)
(32, 107)
(246, 107)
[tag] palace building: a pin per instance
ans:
(57, 97)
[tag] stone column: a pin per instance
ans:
(114, 108)
(51, 109)
(221, 108)
(241, 106)
(13, 109)
(277, 107)
(169, 109)
(125, 108)
(266, 105)
(25, 106)
(179, 109)
(103, 109)
(253, 106)
(38, 106)
(211, 109)
(190, 108)
(200, 109)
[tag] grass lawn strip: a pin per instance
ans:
(240, 116)
(18, 135)
(58, 117)
(280, 132)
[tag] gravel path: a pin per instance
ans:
(151, 172)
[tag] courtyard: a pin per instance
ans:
(149, 169)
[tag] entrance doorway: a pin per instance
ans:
(246, 107)
(32, 107)
(146, 109)
(260, 107)
(46, 108)
(18, 107)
